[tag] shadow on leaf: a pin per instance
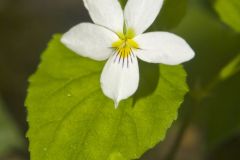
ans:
(149, 77)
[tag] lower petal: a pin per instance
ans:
(120, 77)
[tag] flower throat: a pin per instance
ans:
(125, 44)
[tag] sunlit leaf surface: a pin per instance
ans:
(71, 119)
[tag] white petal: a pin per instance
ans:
(120, 81)
(163, 47)
(106, 13)
(140, 14)
(90, 40)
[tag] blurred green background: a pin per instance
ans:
(208, 127)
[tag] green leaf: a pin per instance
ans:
(10, 137)
(231, 68)
(116, 156)
(71, 119)
(229, 11)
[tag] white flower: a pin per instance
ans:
(118, 36)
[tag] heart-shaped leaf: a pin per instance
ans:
(71, 119)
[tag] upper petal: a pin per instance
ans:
(107, 13)
(140, 14)
(163, 47)
(119, 79)
(90, 40)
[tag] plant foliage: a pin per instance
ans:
(71, 119)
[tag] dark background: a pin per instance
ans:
(213, 127)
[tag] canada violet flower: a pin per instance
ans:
(119, 36)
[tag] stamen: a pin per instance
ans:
(124, 48)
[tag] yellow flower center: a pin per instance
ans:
(125, 44)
